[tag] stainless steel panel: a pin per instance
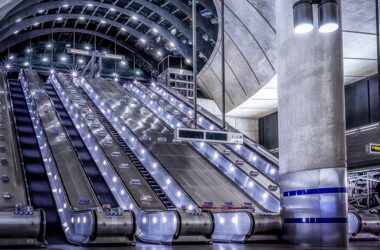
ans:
(321, 217)
(77, 187)
(11, 172)
(198, 178)
(114, 152)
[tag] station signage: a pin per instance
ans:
(186, 134)
(79, 52)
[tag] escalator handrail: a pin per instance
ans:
(213, 165)
(16, 151)
(96, 197)
(59, 178)
(151, 155)
(100, 148)
(247, 141)
(211, 145)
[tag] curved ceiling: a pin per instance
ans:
(154, 29)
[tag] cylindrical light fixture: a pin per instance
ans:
(328, 16)
(303, 16)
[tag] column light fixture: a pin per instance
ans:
(328, 16)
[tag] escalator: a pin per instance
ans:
(159, 219)
(37, 180)
(254, 154)
(96, 180)
(168, 104)
(204, 183)
(232, 170)
(136, 162)
(84, 220)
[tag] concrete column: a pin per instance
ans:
(311, 133)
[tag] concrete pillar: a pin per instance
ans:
(311, 133)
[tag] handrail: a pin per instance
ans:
(76, 232)
(266, 200)
(253, 157)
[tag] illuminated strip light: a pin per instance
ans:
(270, 171)
(259, 194)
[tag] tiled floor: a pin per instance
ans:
(353, 246)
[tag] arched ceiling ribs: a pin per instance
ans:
(30, 10)
(33, 6)
(12, 41)
(201, 21)
(26, 23)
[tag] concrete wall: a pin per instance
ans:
(249, 127)
(250, 52)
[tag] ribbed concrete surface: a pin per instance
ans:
(7, 5)
(250, 52)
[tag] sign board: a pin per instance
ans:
(79, 52)
(373, 149)
(115, 57)
(186, 134)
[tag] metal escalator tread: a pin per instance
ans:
(96, 180)
(150, 180)
(38, 183)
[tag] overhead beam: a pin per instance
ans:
(26, 23)
(12, 41)
(27, 8)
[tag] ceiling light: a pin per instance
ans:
(8, 66)
(48, 45)
(40, 11)
(87, 47)
(112, 9)
(64, 59)
(16, 32)
(52, 71)
(82, 18)
(155, 30)
(26, 63)
(59, 18)
(45, 59)
(303, 16)
(18, 20)
(36, 24)
(328, 16)
(142, 40)
(171, 44)
(103, 21)
(134, 17)
(123, 29)
(65, 6)
(90, 5)
(11, 57)
(81, 61)
(159, 53)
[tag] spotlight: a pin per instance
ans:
(303, 16)
(328, 16)
(74, 74)
(52, 71)
(8, 66)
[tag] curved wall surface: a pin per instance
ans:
(250, 52)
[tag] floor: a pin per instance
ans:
(353, 246)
